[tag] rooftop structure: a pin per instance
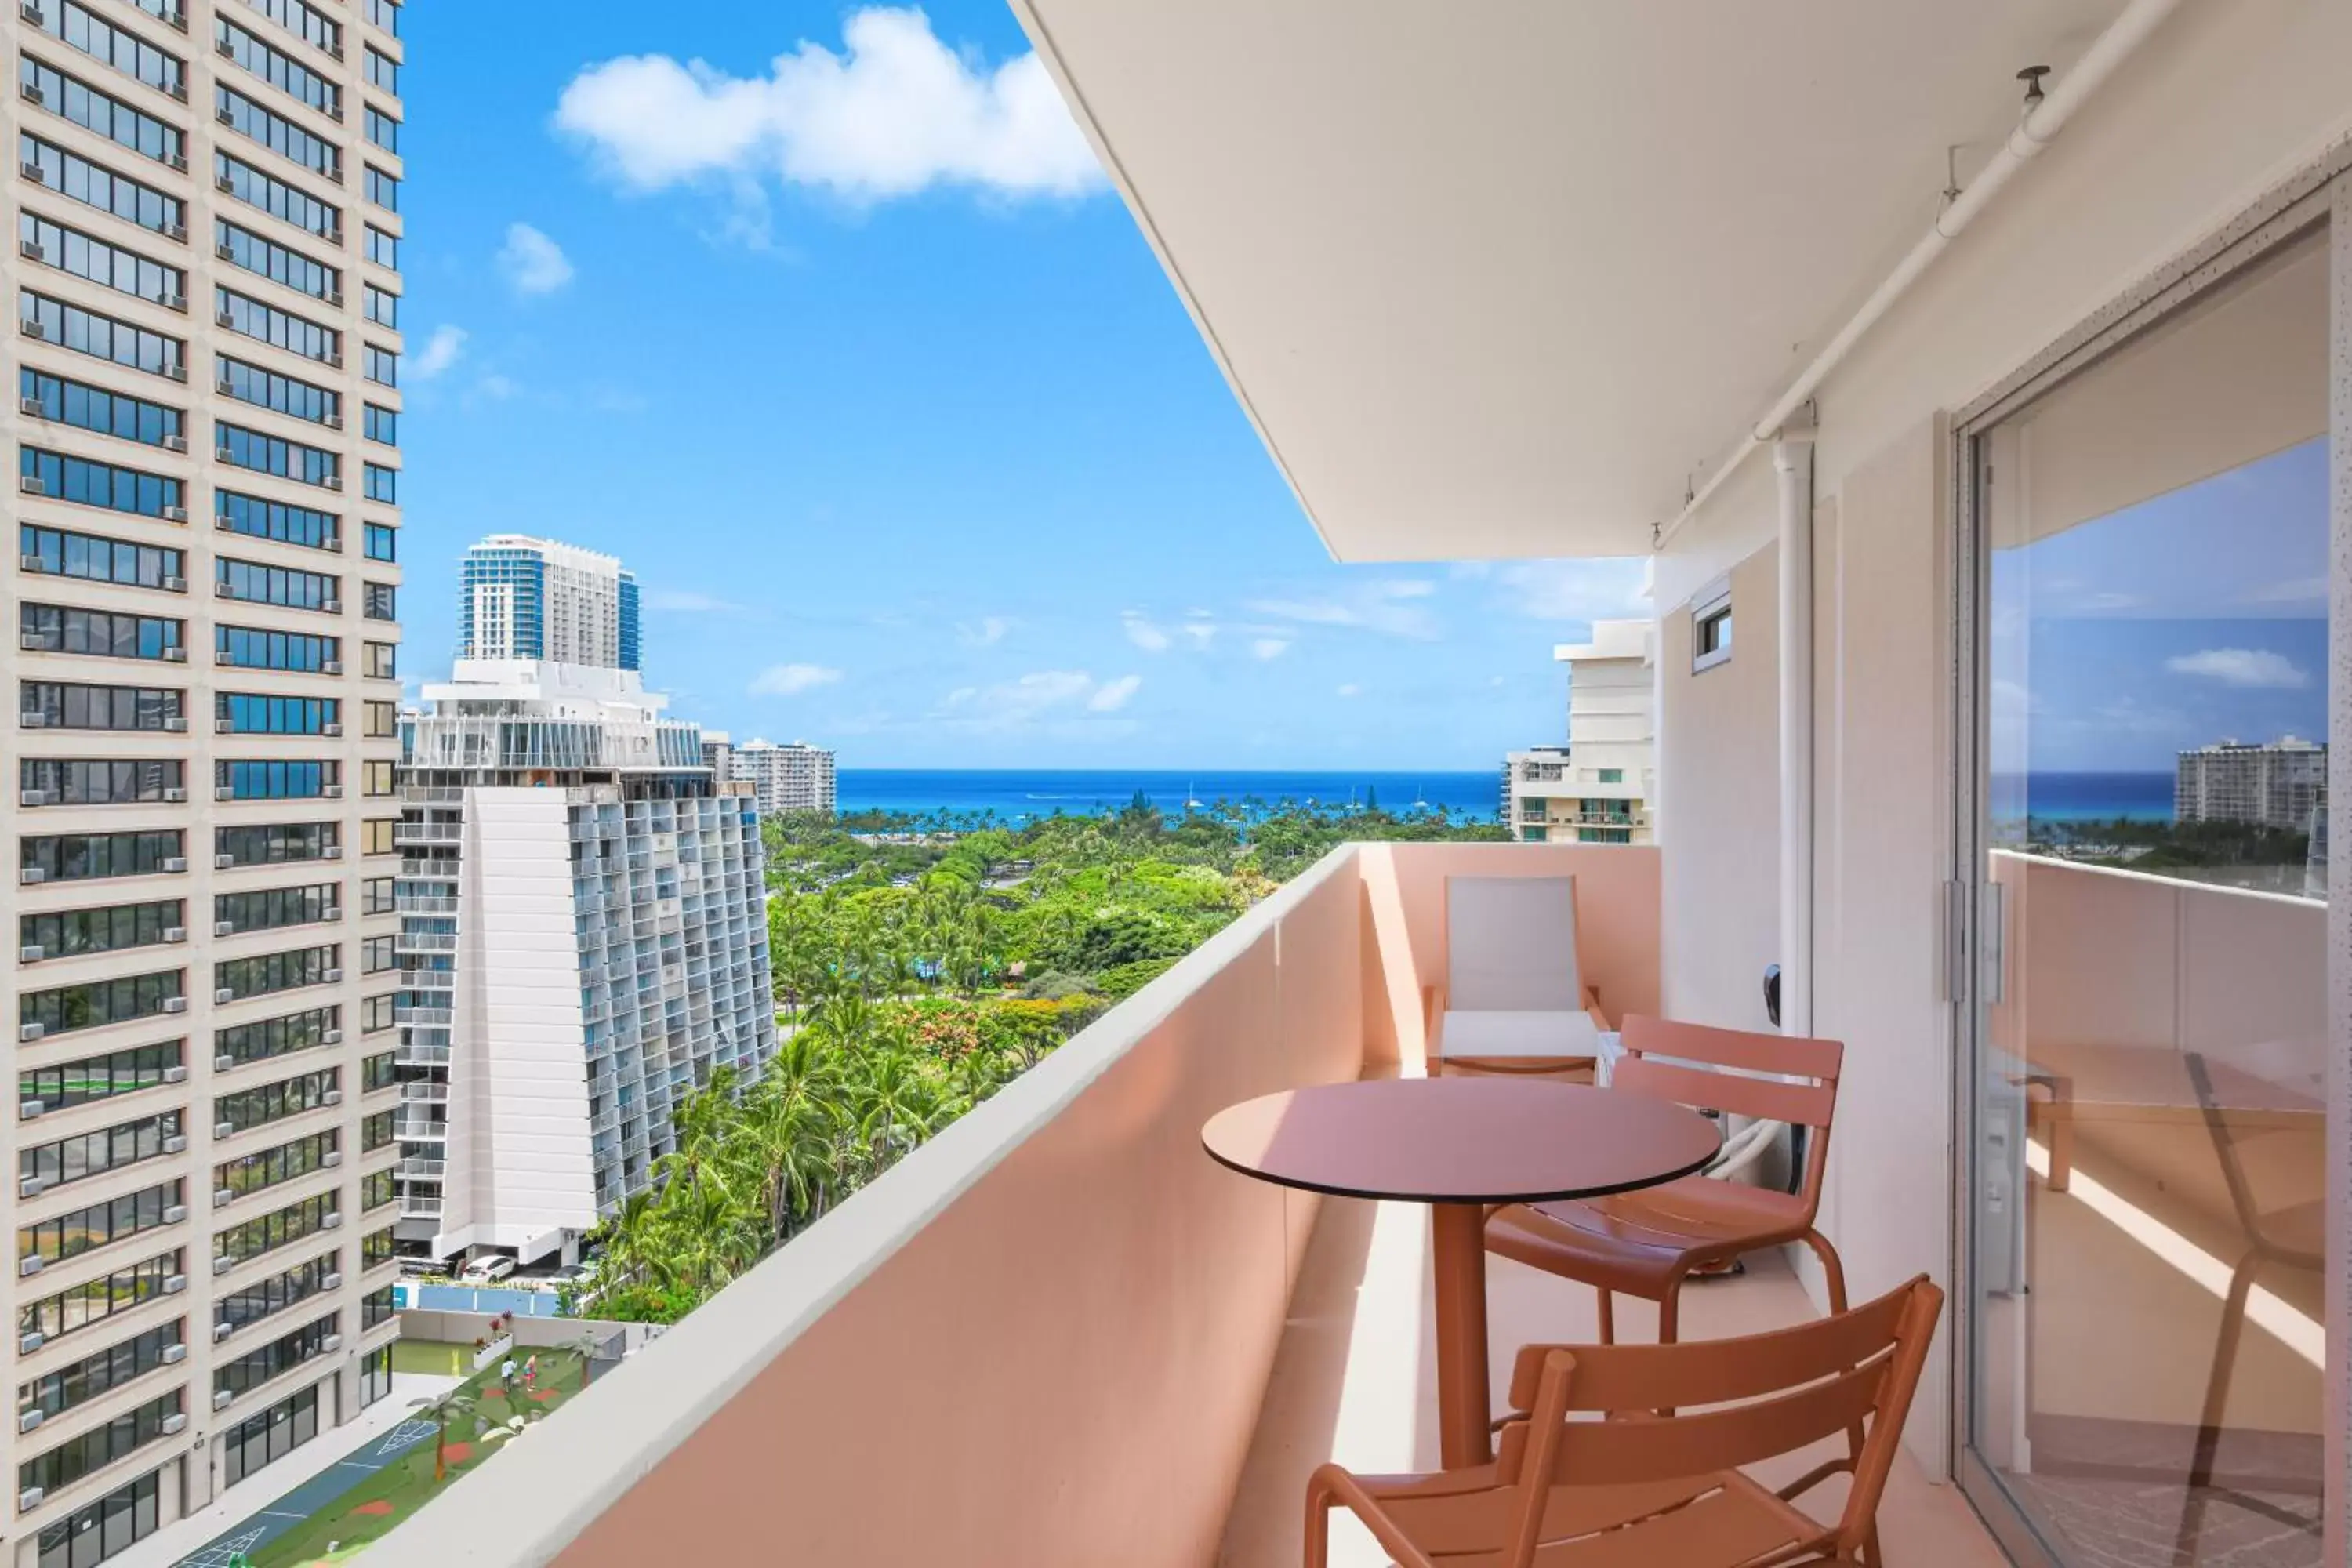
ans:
(529, 598)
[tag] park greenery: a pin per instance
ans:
(921, 965)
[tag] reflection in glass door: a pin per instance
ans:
(2147, 1357)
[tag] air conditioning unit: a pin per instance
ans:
(224, 726)
(225, 117)
(175, 656)
(179, 161)
(176, 1075)
(332, 792)
(33, 172)
(335, 729)
(332, 606)
(333, 851)
(33, 93)
(178, 231)
(29, 953)
(330, 1159)
(332, 1221)
(174, 1283)
(222, 1064)
(32, 325)
(175, 1354)
(335, 298)
(175, 442)
(177, 794)
(175, 1003)
(29, 1498)
(221, 1398)
(223, 319)
(32, 251)
(221, 1331)
(31, 485)
(333, 666)
(330, 913)
(334, 421)
(174, 1425)
(224, 928)
(331, 1342)
(179, 304)
(335, 360)
(223, 862)
(175, 1144)
(32, 874)
(332, 1037)
(29, 1109)
(335, 481)
(28, 1420)
(27, 1266)
(176, 933)
(223, 1129)
(33, 797)
(223, 1197)
(175, 584)
(33, 720)
(30, 1187)
(332, 1097)
(176, 514)
(27, 1343)
(176, 725)
(178, 90)
(30, 642)
(176, 1213)
(224, 791)
(220, 454)
(335, 977)
(224, 997)
(32, 408)
(330, 1282)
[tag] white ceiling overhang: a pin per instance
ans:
(1497, 278)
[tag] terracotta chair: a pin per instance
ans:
(1646, 1488)
(1647, 1243)
(1514, 998)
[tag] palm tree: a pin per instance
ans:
(459, 1401)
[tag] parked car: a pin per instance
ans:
(485, 1270)
(574, 1274)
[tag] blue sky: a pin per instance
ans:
(2197, 616)
(824, 321)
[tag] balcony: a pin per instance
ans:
(1094, 1344)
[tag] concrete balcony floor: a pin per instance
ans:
(1355, 1380)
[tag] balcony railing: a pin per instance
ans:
(1059, 1311)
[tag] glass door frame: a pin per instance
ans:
(2318, 199)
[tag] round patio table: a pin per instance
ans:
(1461, 1144)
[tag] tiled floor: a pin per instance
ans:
(1355, 1381)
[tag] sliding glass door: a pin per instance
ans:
(2145, 841)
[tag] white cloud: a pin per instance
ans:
(895, 112)
(687, 602)
(441, 352)
(1269, 647)
(1112, 695)
(983, 632)
(792, 680)
(1143, 634)
(496, 388)
(2242, 667)
(1350, 690)
(533, 263)
(1598, 588)
(1390, 608)
(1201, 627)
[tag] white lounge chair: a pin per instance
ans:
(1514, 998)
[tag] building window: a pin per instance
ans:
(260, 780)
(60, 781)
(375, 1375)
(250, 647)
(376, 956)
(375, 1131)
(280, 394)
(277, 456)
(382, 720)
(377, 833)
(383, 250)
(375, 1247)
(382, 129)
(57, 705)
(268, 1436)
(383, 71)
(279, 135)
(379, 1072)
(382, 189)
(381, 540)
(266, 1297)
(60, 1086)
(380, 602)
(258, 518)
(271, 1167)
(377, 896)
(108, 266)
(1613, 775)
(254, 583)
(383, 483)
(70, 1159)
(273, 908)
(82, 1305)
(85, 483)
(94, 408)
(101, 337)
(1711, 628)
(70, 1387)
(386, 13)
(382, 426)
(93, 558)
(104, 1530)
(382, 661)
(95, 185)
(376, 780)
(52, 628)
(267, 973)
(266, 1039)
(100, 1447)
(100, 112)
(265, 1103)
(375, 1308)
(274, 843)
(287, 203)
(281, 71)
(377, 1188)
(278, 328)
(375, 1014)
(250, 713)
(243, 248)
(65, 1236)
(71, 932)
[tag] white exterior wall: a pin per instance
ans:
(2224, 101)
(518, 1083)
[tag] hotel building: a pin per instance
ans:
(205, 588)
(1599, 788)
(797, 777)
(583, 935)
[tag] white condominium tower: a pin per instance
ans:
(798, 777)
(534, 598)
(583, 939)
(202, 814)
(1598, 789)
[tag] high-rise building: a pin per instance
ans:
(1599, 788)
(2274, 785)
(534, 598)
(208, 286)
(796, 777)
(582, 940)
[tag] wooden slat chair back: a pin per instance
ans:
(1647, 1243)
(1589, 1472)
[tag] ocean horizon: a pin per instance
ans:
(1022, 795)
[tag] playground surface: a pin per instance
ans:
(357, 1500)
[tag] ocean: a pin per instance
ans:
(2086, 797)
(1019, 795)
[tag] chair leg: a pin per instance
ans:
(2217, 1402)
(1669, 1312)
(1608, 1316)
(1832, 1270)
